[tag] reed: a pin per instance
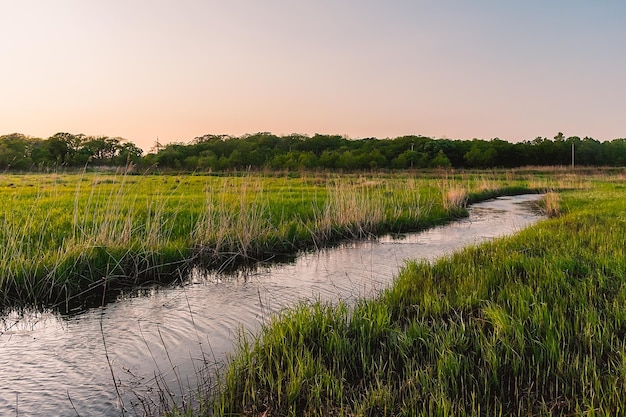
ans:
(550, 204)
(455, 199)
(67, 237)
(455, 194)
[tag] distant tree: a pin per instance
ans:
(58, 149)
(15, 152)
(589, 152)
(102, 149)
(172, 156)
(64, 146)
(39, 155)
(411, 159)
(278, 161)
(375, 159)
(307, 160)
(400, 162)
(236, 159)
(614, 152)
(128, 152)
(319, 143)
(505, 153)
(346, 161)
(480, 155)
(440, 160)
(329, 159)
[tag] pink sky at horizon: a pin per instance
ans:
(462, 70)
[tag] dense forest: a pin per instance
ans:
(257, 151)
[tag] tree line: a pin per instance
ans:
(24, 153)
(297, 152)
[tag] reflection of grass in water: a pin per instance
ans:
(527, 325)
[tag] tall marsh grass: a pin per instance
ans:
(455, 199)
(550, 204)
(69, 235)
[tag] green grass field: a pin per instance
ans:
(529, 325)
(65, 239)
(534, 324)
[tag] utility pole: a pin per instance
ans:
(572, 154)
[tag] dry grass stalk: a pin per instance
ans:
(551, 204)
(455, 198)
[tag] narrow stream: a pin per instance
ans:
(54, 365)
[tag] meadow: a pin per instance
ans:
(528, 325)
(68, 239)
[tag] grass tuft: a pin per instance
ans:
(550, 204)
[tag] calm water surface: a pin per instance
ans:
(53, 365)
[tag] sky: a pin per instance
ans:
(175, 70)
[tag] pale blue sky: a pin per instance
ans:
(143, 69)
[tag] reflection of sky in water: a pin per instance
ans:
(43, 359)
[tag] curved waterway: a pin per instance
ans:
(68, 366)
